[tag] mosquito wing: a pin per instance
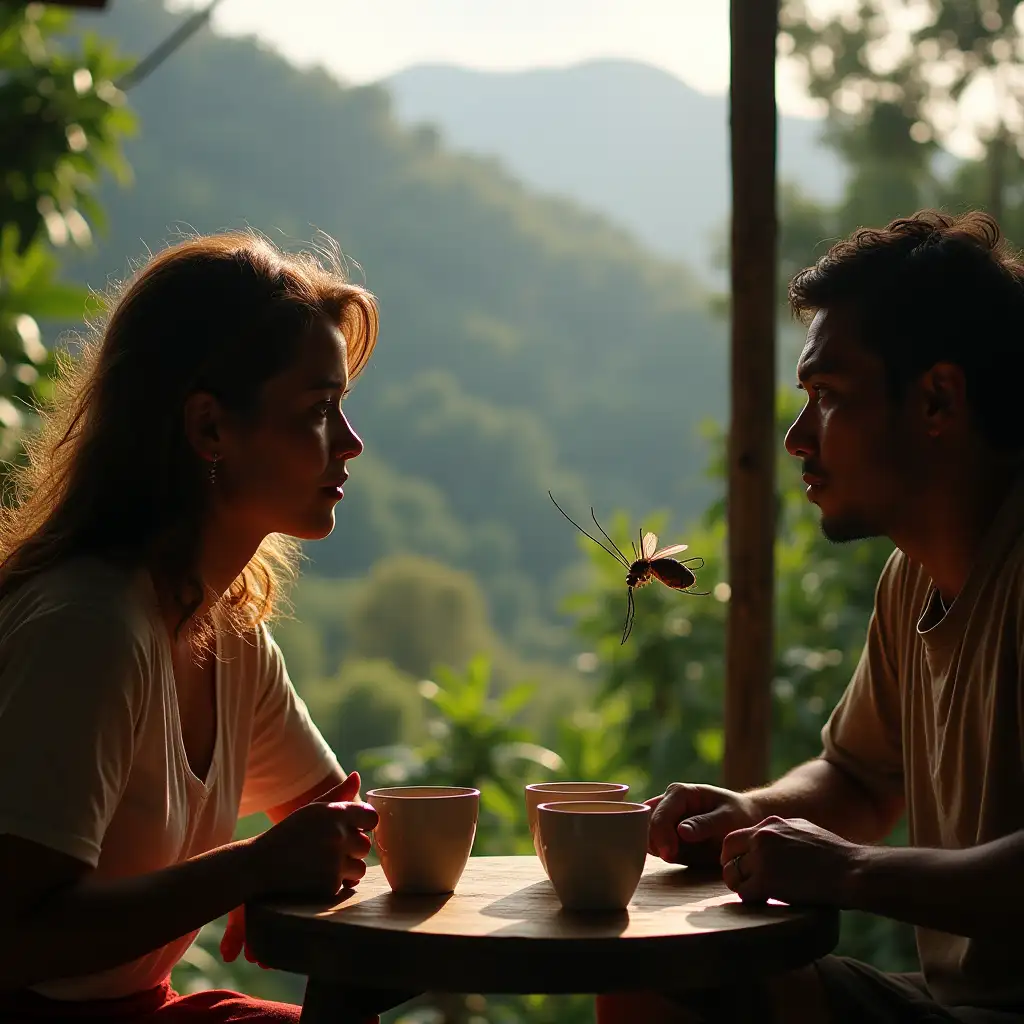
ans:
(672, 549)
(648, 545)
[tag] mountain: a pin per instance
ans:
(527, 343)
(623, 138)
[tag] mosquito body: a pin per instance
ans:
(649, 563)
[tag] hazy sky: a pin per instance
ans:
(363, 40)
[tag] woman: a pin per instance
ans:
(143, 704)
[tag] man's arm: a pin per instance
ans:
(821, 791)
(689, 822)
(973, 892)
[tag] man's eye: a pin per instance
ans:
(322, 408)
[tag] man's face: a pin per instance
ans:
(859, 451)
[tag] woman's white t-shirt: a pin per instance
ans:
(92, 761)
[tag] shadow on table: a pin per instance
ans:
(535, 911)
(403, 910)
(568, 924)
(527, 902)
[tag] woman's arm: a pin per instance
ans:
(58, 921)
(330, 788)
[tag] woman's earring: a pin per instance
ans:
(213, 470)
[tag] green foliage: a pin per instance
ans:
(370, 703)
(474, 741)
(419, 613)
(670, 668)
(895, 84)
(61, 122)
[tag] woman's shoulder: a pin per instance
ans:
(250, 647)
(86, 621)
(88, 592)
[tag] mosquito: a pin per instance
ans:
(649, 563)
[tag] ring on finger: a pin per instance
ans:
(736, 865)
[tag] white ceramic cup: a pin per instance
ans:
(553, 792)
(425, 835)
(595, 851)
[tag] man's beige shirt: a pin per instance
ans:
(935, 710)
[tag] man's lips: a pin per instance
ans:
(812, 479)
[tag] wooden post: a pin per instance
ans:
(752, 439)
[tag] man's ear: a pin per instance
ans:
(943, 391)
(204, 425)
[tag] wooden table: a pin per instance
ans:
(504, 931)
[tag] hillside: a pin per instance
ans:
(621, 137)
(526, 343)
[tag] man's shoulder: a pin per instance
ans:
(899, 576)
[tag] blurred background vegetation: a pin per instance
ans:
(454, 628)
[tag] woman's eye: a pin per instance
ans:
(321, 409)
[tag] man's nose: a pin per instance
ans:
(800, 439)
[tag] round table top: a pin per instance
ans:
(504, 930)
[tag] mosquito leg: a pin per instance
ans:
(630, 612)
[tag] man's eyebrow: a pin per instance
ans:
(327, 385)
(818, 367)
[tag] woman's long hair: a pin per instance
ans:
(110, 471)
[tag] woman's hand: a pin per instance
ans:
(317, 850)
(233, 941)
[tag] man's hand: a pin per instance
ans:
(688, 823)
(790, 860)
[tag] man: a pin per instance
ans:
(911, 430)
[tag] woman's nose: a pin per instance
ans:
(348, 444)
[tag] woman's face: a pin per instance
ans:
(284, 471)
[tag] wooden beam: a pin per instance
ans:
(750, 631)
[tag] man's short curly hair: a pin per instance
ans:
(932, 288)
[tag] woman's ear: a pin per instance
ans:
(204, 425)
